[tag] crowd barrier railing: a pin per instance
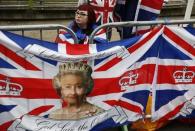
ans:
(139, 23)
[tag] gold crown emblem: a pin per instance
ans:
(183, 76)
(8, 88)
(77, 66)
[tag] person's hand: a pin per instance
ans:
(123, 54)
(118, 114)
(188, 107)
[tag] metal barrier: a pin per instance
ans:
(138, 23)
(23, 28)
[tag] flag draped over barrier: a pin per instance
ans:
(161, 62)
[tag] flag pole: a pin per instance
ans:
(189, 9)
(124, 128)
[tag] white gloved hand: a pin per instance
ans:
(187, 108)
(118, 114)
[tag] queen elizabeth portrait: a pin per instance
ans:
(72, 83)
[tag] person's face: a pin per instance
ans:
(73, 90)
(81, 17)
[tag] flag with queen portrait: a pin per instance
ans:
(124, 74)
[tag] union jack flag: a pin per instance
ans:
(104, 10)
(125, 73)
(174, 94)
(25, 88)
(138, 10)
(25, 77)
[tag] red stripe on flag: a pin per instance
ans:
(142, 31)
(60, 41)
(77, 49)
(145, 75)
(102, 31)
(171, 113)
(105, 86)
(142, 42)
(40, 110)
(111, 85)
(125, 105)
(33, 88)
(17, 59)
(179, 41)
(156, 4)
(6, 125)
(169, 71)
(109, 64)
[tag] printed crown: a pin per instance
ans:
(8, 88)
(77, 66)
(128, 80)
(183, 76)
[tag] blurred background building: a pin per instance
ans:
(64, 9)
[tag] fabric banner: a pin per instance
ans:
(34, 89)
(137, 10)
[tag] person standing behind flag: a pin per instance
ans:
(83, 25)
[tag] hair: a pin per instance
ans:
(91, 18)
(78, 68)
